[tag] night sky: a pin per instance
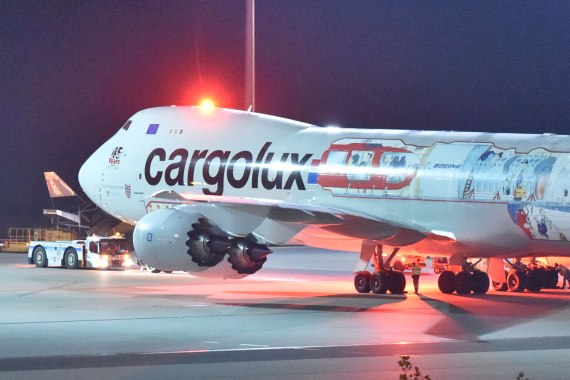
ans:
(72, 72)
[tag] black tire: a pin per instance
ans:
(516, 281)
(534, 280)
(396, 282)
(386, 281)
(154, 270)
(446, 282)
(40, 257)
(550, 278)
(379, 283)
(463, 282)
(70, 258)
(362, 282)
(437, 270)
(480, 282)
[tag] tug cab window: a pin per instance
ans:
(112, 246)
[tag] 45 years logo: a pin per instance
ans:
(115, 158)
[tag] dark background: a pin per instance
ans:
(72, 72)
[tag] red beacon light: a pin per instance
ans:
(207, 106)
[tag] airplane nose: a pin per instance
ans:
(87, 178)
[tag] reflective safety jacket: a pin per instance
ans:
(416, 270)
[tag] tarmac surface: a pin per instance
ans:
(298, 318)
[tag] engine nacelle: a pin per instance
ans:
(160, 240)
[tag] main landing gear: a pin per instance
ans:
(468, 280)
(533, 277)
(380, 282)
(384, 279)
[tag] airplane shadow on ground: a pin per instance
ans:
(330, 303)
(468, 317)
(464, 317)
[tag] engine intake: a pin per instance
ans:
(205, 249)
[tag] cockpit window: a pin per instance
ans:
(127, 125)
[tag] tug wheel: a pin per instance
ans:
(40, 257)
(71, 260)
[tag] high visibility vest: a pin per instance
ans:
(416, 270)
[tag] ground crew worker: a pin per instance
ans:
(564, 272)
(416, 270)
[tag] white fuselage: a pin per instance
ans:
(483, 194)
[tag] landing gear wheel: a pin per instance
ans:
(534, 280)
(379, 282)
(500, 286)
(154, 270)
(40, 257)
(71, 260)
(396, 282)
(446, 282)
(463, 282)
(516, 281)
(362, 282)
(550, 278)
(480, 282)
(386, 281)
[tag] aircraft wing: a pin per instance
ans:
(290, 223)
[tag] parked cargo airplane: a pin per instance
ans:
(210, 190)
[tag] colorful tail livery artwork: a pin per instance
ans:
(209, 192)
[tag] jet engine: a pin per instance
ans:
(247, 257)
(207, 245)
(170, 239)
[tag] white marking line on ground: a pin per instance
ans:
(262, 348)
(280, 279)
(254, 345)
